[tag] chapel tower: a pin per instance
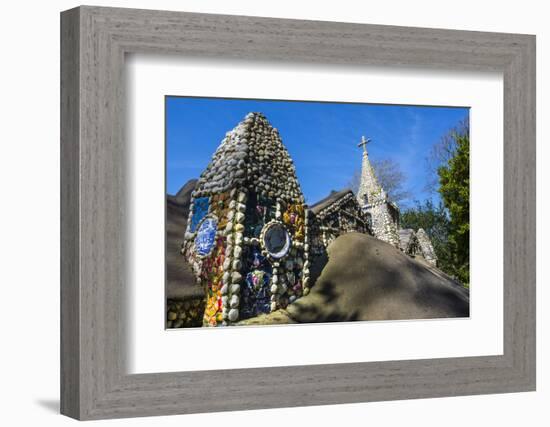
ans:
(382, 214)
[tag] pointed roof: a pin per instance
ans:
(252, 155)
(406, 237)
(369, 188)
(426, 245)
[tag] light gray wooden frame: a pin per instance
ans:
(94, 41)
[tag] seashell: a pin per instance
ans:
(226, 277)
(233, 314)
(228, 249)
(237, 252)
(239, 217)
(242, 197)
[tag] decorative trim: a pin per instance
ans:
(288, 243)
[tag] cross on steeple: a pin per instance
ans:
(363, 143)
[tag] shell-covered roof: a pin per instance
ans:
(425, 244)
(252, 155)
(405, 237)
(329, 200)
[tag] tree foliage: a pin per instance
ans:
(435, 221)
(454, 188)
(448, 224)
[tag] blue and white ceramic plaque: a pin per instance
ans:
(206, 236)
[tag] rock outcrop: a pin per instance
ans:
(367, 279)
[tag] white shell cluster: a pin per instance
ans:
(251, 155)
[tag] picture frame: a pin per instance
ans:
(94, 42)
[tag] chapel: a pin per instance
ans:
(247, 227)
(250, 237)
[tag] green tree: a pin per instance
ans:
(435, 221)
(454, 188)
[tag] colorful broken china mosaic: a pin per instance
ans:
(206, 236)
(259, 211)
(294, 219)
(256, 295)
(220, 208)
(211, 275)
(200, 210)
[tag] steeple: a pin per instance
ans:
(369, 188)
(383, 215)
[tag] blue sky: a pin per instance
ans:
(321, 138)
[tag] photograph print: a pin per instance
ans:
(296, 212)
